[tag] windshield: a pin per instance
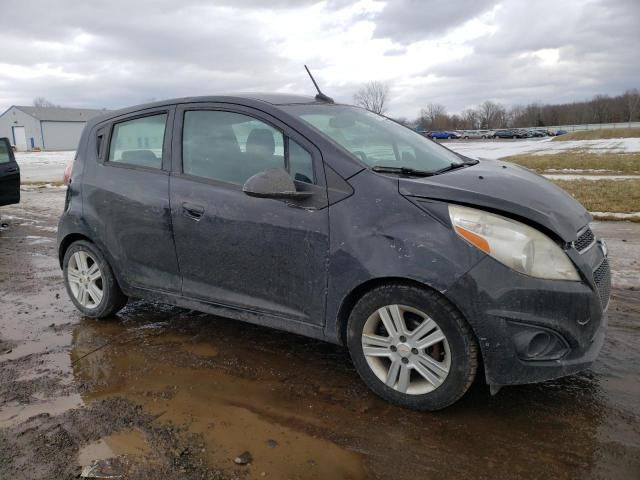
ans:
(374, 139)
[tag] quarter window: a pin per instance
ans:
(139, 142)
(232, 147)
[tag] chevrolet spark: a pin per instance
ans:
(332, 222)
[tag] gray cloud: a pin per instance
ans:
(407, 21)
(117, 53)
(597, 53)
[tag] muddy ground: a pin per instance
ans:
(161, 392)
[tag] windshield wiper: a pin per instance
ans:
(423, 173)
(403, 170)
(454, 166)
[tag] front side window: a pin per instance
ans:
(374, 139)
(139, 142)
(232, 147)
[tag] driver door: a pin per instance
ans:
(9, 175)
(259, 254)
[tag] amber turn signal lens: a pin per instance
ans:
(475, 239)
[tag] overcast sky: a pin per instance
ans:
(459, 53)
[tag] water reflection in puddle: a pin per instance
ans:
(299, 408)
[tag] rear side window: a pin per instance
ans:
(139, 142)
(232, 147)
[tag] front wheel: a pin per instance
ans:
(90, 282)
(412, 347)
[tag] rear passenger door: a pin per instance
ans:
(9, 175)
(264, 255)
(126, 197)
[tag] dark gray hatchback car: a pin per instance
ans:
(332, 222)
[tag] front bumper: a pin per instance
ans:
(504, 307)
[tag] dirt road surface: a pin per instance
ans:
(161, 392)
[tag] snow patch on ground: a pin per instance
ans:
(590, 177)
(621, 216)
(504, 148)
(43, 166)
(577, 170)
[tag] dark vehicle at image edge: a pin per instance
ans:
(332, 222)
(9, 175)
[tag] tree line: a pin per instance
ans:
(491, 115)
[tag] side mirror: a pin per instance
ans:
(273, 183)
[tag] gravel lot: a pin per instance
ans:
(160, 392)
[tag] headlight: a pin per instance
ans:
(512, 243)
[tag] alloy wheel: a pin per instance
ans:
(406, 349)
(85, 279)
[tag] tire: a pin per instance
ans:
(515, 136)
(457, 352)
(79, 278)
(484, 136)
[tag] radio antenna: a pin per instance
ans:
(320, 96)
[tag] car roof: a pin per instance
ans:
(243, 98)
(248, 99)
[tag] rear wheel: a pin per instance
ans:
(90, 282)
(412, 347)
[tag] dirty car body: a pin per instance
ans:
(175, 217)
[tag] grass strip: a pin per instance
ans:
(614, 196)
(602, 134)
(616, 163)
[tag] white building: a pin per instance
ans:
(47, 128)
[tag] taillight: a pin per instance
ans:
(67, 172)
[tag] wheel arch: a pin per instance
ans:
(66, 242)
(350, 300)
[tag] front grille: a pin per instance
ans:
(602, 278)
(585, 240)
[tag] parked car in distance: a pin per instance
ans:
(336, 223)
(475, 134)
(509, 133)
(9, 175)
(561, 132)
(536, 133)
(442, 135)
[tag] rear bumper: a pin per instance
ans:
(513, 315)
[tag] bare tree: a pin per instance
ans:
(632, 102)
(492, 115)
(43, 103)
(374, 96)
(471, 119)
(434, 116)
(600, 108)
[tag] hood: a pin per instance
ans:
(508, 188)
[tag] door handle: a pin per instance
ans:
(192, 210)
(11, 170)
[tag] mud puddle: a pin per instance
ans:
(160, 392)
